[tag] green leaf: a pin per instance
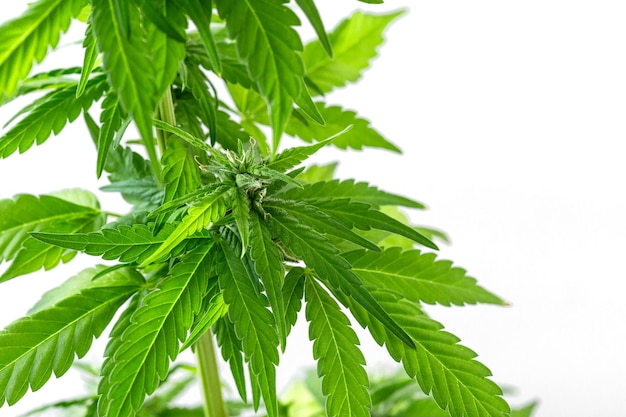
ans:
(154, 11)
(310, 10)
(293, 290)
(27, 213)
(199, 86)
(232, 352)
(329, 266)
(130, 67)
(140, 360)
(27, 39)
(125, 243)
(199, 216)
(321, 222)
(49, 80)
(241, 212)
(269, 267)
(336, 119)
(442, 367)
(419, 277)
(49, 115)
(254, 323)
(98, 276)
(216, 310)
(267, 42)
(89, 61)
(111, 118)
(181, 174)
(33, 347)
(292, 157)
(340, 363)
(357, 191)
(355, 42)
(364, 217)
(317, 173)
(201, 14)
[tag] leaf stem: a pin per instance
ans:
(166, 114)
(209, 377)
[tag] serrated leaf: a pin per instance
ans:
(364, 217)
(199, 86)
(355, 41)
(232, 352)
(357, 191)
(216, 310)
(340, 362)
(141, 358)
(292, 157)
(321, 222)
(49, 80)
(329, 266)
(33, 347)
(241, 212)
(98, 276)
(254, 323)
(201, 14)
(127, 59)
(27, 213)
(27, 38)
(442, 367)
(293, 290)
(181, 174)
(111, 119)
(50, 115)
(89, 60)
(155, 12)
(309, 9)
(127, 244)
(199, 216)
(336, 119)
(267, 42)
(269, 267)
(419, 277)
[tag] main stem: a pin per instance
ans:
(209, 377)
(205, 350)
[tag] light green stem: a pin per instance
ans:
(209, 377)
(165, 114)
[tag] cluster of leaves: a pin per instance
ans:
(226, 234)
(393, 395)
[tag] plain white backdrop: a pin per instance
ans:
(511, 116)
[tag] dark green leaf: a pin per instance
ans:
(241, 212)
(27, 38)
(140, 360)
(267, 42)
(254, 323)
(33, 347)
(216, 310)
(340, 362)
(155, 11)
(330, 267)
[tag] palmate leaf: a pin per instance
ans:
(125, 243)
(442, 367)
(127, 59)
(141, 358)
(28, 38)
(340, 362)
(329, 266)
(419, 277)
(336, 119)
(357, 191)
(267, 42)
(28, 213)
(355, 42)
(49, 115)
(254, 323)
(199, 216)
(33, 347)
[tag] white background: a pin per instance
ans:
(511, 116)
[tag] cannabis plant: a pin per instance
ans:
(228, 235)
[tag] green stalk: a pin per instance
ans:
(165, 114)
(209, 377)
